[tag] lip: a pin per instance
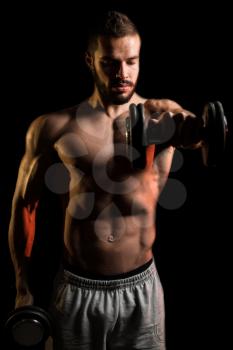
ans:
(122, 88)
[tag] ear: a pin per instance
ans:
(89, 60)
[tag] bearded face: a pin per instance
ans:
(116, 68)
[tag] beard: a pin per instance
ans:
(112, 97)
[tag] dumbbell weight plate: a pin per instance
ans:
(136, 142)
(28, 326)
(221, 127)
(215, 133)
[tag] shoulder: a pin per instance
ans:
(47, 128)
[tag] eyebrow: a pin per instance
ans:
(115, 59)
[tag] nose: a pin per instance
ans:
(122, 71)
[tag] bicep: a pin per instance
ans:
(30, 179)
(34, 164)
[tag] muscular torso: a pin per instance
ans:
(110, 211)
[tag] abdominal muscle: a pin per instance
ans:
(117, 234)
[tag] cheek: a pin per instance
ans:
(134, 72)
(101, 75)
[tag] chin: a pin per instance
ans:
(121, 99)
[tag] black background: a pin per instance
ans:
(186, 57)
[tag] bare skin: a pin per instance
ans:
(110, 209)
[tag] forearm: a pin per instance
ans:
(21, 237)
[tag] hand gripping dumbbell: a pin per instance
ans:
(140, 134)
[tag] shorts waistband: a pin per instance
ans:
(96, 276)
(131, 278)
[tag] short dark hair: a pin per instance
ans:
(112, 24)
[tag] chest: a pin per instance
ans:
(86, 142)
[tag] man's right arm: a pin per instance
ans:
(30, 180)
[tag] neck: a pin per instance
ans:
(110, 110)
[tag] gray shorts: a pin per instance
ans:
(125, 313)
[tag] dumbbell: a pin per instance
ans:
(139, 135)
(28, 326)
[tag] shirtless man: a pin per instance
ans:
(108, 293)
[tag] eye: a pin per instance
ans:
(104, 63)
(132, 62)
(107, 63)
